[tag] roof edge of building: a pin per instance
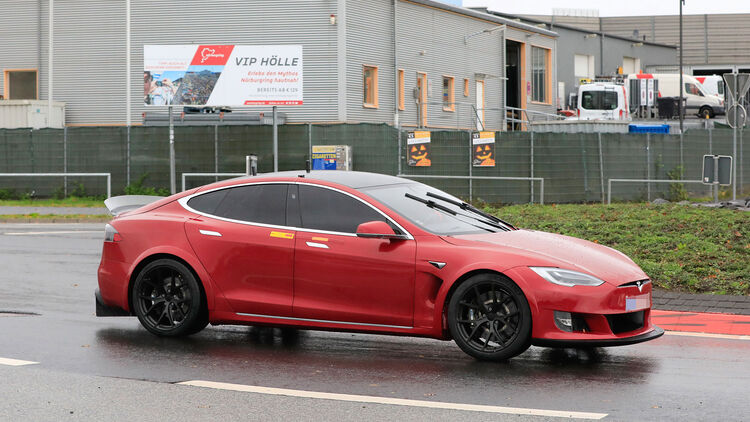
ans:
(575, 28)
(485, 16)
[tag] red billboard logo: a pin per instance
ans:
(212, 55)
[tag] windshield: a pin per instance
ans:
(599, 100)
(434, 220)
(720, 87)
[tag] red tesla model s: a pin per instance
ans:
(365, 252)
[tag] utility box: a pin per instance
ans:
(31, 114)
(332, 157)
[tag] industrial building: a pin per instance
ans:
(584, 54)
(713, 43)
(414, 63)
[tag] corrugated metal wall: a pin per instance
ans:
(432, 41)
(19, 28)
(257, 22)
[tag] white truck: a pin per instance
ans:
(697, 99)
(713, 84)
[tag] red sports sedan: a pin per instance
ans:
(363, 252)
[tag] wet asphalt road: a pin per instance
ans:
(111, 369)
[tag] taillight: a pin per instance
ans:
(111, 235)
(578, 112)
(620, 114)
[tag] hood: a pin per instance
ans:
(536, 248)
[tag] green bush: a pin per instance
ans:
(9, 194)
(137, 188)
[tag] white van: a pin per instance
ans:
(697, 100)
(602, 101)
(713, 84)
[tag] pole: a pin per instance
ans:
(531, 154)
(399, 155)
(127, 158)
(65, 160)
(716, 179)
(648, 166)
(601, 166)
(275, 142)
(127, 63)
(309, 142)
(471, 165)
(679, 107)
(734, 152)
(50, 60)
(216, 151)
(172, 173)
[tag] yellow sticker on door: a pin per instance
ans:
(282, 235)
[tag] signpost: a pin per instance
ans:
(222, 75)
(737, 85)
(717, 171)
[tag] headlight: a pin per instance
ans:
(566, 277)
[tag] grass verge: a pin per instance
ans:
(692, 249)
(67, 202)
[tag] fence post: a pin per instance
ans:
(127, 155)
(585, 170)
(648, 166)
(65, 161)
(740, 164)
(531, 152)
(398, 129)
(309, 142)
(471, 170)
(601, 166)
(216, 152)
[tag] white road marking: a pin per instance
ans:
(708, 335)
(16, 362)
(392, 401)
(55, 232)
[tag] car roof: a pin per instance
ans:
(352, 179)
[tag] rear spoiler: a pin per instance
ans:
(120, 204)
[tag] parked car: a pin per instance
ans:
(697, 99)
(364, 252)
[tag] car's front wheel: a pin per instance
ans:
(166, 299)
(489, 317)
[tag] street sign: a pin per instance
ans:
(737, 84)
(741, 114)
(717, 169)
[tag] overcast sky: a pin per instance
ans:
(613, 8)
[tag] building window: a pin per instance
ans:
(584, 66)
(466, 87)
(401, 89)
(21, 84)
(370, 85)
(449, 98)
(539, 73)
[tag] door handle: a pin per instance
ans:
(317, 245)
(210, 233)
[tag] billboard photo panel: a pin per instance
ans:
(222, 75)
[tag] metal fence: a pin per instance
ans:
(575, 167)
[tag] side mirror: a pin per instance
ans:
(378, 230)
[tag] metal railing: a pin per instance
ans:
(107, 175)
(531, 117)
(609, 184)
(527, 179)
(186, 175)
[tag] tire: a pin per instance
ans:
(167, 299)
(489, 318)
(706, 112)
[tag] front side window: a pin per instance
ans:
(599, 100)
(329, 210)
(693, 89)
(265, 204)
(539, 68)
(370, 86)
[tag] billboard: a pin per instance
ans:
(418, 143)
(483, 145)
(222, 75)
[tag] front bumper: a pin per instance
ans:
(620, 341)
(103, 310)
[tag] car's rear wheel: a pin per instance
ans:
(489, 317)
(166, 298)
(706, 113)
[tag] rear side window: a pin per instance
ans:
(326, 209)
(599, 100)
(265, 204)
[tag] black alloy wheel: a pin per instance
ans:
(167, 299)
(489, 318)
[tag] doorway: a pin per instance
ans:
(513, 69)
